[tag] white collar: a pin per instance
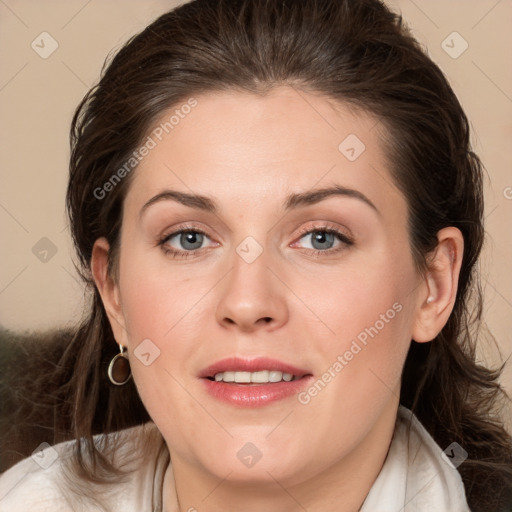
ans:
(416, 475)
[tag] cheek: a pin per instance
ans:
(362, 302)
(156, 301)
(369, 314)
(362, 366)
(163, 313)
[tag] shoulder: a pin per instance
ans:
(44, 482)
(33, 481)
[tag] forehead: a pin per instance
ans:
(248, 148)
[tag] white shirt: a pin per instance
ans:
(416, 477)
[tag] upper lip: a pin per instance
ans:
(232, 364)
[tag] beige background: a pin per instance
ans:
(38, 96)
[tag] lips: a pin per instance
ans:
(241, 383)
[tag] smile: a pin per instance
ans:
(261, 377)
(253, 383)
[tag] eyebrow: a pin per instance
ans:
(293, 201)
(315, 196)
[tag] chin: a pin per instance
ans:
(261, 461)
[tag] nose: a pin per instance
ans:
(252, 297)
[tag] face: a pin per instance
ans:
(263, 236)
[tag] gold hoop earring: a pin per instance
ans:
(119, 371)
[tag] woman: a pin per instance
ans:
(277, 208)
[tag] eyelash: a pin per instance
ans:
(345, 240)
(173, 253)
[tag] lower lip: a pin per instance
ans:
(255, 395)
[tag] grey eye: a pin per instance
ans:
(320, 240)
(191, 240)
(188, 240)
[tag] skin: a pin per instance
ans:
(248, 153)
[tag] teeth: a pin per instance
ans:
(244, 377)
(260, 377)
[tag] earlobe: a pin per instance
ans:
(108, 288)
(436, 300)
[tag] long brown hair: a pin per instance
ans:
(354, 51)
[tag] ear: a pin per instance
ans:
(108, 289)
(439, 289)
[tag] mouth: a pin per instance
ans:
(255, 382)
(261, 370)
(260, 377)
